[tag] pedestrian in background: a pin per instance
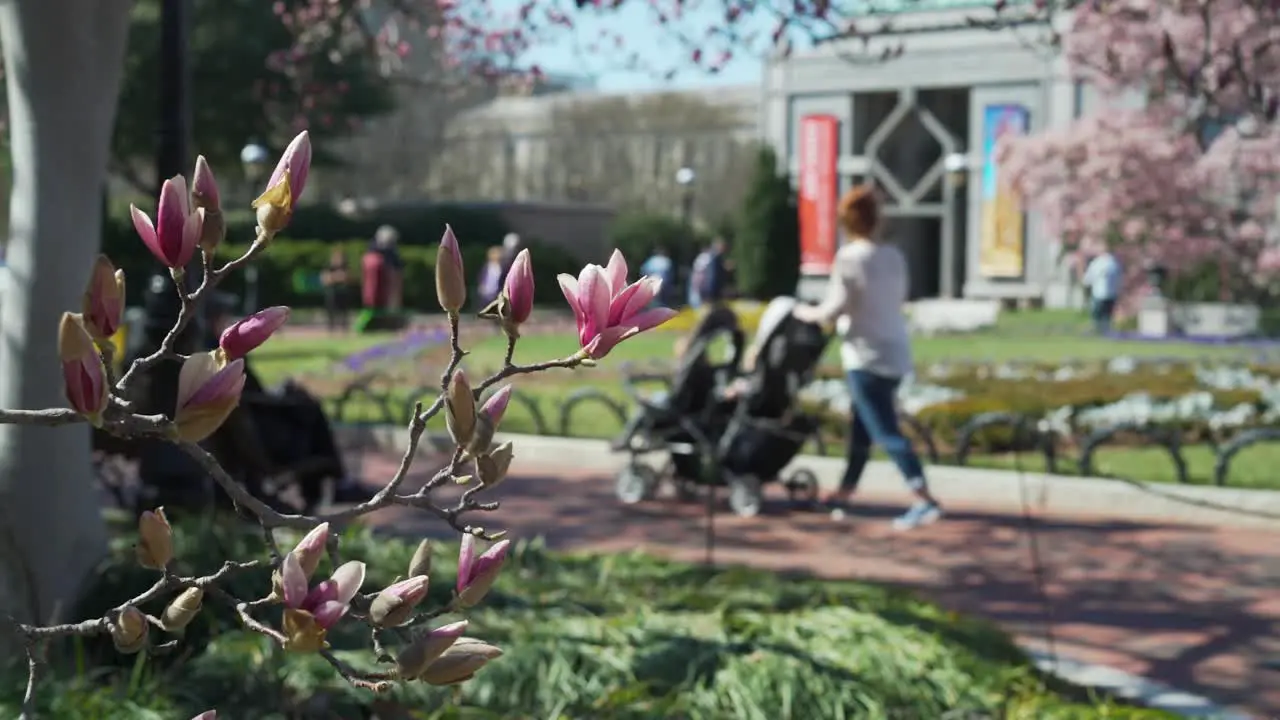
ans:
(865, 296)
(336, 278)
(1102, 280)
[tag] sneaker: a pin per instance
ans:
(922, 513)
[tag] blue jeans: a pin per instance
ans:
(875, 419)
(1101, 311)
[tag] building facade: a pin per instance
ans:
(921, 126)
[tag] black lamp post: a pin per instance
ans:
(173, 143)
(685, 177)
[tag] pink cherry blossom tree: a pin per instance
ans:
(1189, 178)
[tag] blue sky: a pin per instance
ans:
(656, 45)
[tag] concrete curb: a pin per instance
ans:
(994, 490)
(1129, 687)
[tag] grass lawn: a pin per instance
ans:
(624, 637)
(1021, 339)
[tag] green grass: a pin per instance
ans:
(1015, 339)
(626, 637)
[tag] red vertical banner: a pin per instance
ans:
(819, 147)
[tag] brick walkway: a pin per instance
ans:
(1194, 608)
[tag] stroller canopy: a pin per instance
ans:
(784, 354)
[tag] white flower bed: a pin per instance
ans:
(916, 394)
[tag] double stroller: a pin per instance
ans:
(729, 416)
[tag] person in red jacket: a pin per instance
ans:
(373, 284)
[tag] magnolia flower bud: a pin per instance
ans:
(460, 409)
(426, 648)
(519, 289)
(477, 573)
(129, 631)
(275, 206)
(451, 279)
(421, 562)
(492, 467)
(103, 303)
(246, 335)
(311, 549)
(207, 715)
(182, 610)
(207, 393)
(213, 230)
(394, 605)
(177, 229)
(84, 376)
(301, 632)
(460, 662)
(204, 187)
(496, 406)
(155, 540)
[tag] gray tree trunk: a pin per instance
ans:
(64, 60)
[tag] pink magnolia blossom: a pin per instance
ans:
(519, 287)
(296, 163)
(208, 390)
(496, 406)
(244, 336)
(328, 601)
(84, 376)
(607, 309)
(176, 232)
(477, 573)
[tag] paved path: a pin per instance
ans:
(1194, 608)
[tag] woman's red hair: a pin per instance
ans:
(859, 211)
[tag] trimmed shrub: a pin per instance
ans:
(289, 272)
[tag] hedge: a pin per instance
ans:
(288, 273)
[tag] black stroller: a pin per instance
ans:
(723, 424)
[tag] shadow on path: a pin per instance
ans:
(1195, 608)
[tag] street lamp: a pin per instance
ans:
(685, 177)
(254, 158)
(957, 167)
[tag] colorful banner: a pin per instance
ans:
(1002, 243)
(819, 182)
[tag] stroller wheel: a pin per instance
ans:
(636, 483)
(745, 495)
(802, 486)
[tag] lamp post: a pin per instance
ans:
(685, 177)
(173, 148)
(254, 159)
(957, 167)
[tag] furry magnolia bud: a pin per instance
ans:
(460, 662)
(421, 562)
(460, 409)
(492, 467)
(394, 605)
(155, 540)
(184, 608)
(451, 278)
(129, 631)
(426, 647)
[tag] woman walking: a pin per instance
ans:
(865, 296)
